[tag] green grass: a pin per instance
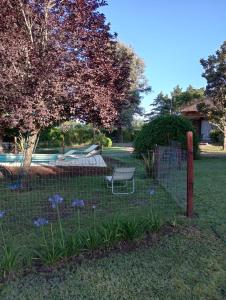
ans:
(22, 208)
(188, 265)
(209, 148)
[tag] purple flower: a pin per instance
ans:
(2, 214)
(151, 192)
(55, 200)
(78, 203)
(40, 222)
(15, 186)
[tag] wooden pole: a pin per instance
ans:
(190, 174)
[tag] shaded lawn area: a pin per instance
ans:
(187, 265)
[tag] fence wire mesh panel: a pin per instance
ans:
(171, 171)
(89, 188)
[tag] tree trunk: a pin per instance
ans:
(31, 143)
(120, 134)
(224, 138)
(1, 143)
(94, 135)
(15, 145)
(63, 145)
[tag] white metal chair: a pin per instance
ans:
(121, 175)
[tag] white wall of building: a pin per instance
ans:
(206, 127)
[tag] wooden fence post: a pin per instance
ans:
(190, 174)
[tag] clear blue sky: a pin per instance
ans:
(171, 36)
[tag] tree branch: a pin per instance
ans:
(29, 26)
(50, 4)
(217, 125)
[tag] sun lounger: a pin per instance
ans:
(92, 158)
(78, 152)
(89, 154)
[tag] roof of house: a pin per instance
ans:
(192, 106)
(190, 110)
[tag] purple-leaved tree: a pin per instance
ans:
(57, 60)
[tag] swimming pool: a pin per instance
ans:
(36, 158)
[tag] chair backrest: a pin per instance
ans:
(91, 148)
(86, 151)
(70, 152)
(123, 173)
(93, 153)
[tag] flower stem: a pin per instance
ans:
(52, 239)
(60, 226)
(94, 219)
(78, 214)
(5, 248)
(44, 237)
(3, 238)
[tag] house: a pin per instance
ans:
(199, 121)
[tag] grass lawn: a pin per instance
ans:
(25, 206)
(209, 148)
(188, 265)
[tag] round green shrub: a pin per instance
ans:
(216, 136)
(162, 130)
(103, 140)
(107, 142)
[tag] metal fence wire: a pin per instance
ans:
(113, 183)
(170, 169)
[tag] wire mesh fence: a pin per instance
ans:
(171, 171)
(108, 184)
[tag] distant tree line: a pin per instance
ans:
(165, 104)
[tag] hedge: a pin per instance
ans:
(162, 130)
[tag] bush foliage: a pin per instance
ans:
(162, 130)
(75, 134)
(216, 137)
(127, 135)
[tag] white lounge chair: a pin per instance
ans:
(121, 175)
(92, 158)
(78, 152)
(85, 155)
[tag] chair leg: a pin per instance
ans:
(108, 186)
(133, 188)
(112, 186)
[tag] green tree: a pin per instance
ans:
(184, 97)
(167, 105)
(162, 105)
(215, 74)
(138, 87)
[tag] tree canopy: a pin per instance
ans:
(58, 60)
(215, 74)
(171, 104)
(138, 86)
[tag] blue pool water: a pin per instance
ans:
(36, 158)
